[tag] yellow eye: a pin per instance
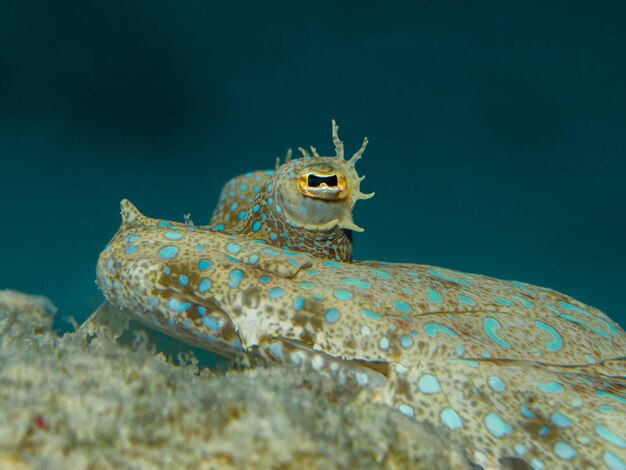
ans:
(329, 186)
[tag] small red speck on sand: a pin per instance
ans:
(40, 422)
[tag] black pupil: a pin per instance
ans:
(314, 181)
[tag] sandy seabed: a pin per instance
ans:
(88, 402)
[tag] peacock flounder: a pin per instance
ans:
(518, 372)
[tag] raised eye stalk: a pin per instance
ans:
(330, 187)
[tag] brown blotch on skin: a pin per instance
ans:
(193, 315)
(533, 425)
(316, 322)
(228, 332)
(300, 319)
(349, 343)
(315, 307)
(403, 388)
(250, 297)
(307, 337)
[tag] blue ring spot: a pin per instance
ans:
(467, 300)
(168, 252)
(491, 325)
(357, 282)
(132, 238)
(276, 292)
(586, 325)
(173, 235)
(525, 302)
(233, 248)
(343, 294)
(521, 450)
(234, 206)
(569, 306)
(402, 306)
(236, 275)
(164, 223)
(183, 279)
(269, 251)
(557, 341)
(613, 461)
(537, 464)
(602, 393)
(429, 384)
(611, 328)
(433, 328)
(332, 264)
(406, 341)
(332, 315)
(506, 302)
(298, 303)
(205, 285)
(610, 436)
(220, 227)
(497, 426)
(550, 387)
(564, 451)
(406, 410)
(212, 323)
(204, 264)
(527, 413)
(445, 277)
(256, 226)
(450, 418)
(496, 383)
(434, 296)
(369, 313)
(130, 250)
(265, 279)
(381, 273)
(561, 420)
(177, 305)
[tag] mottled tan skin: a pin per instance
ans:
(514, 370)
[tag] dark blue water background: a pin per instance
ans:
(497, 129)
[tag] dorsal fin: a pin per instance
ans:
(131, 217)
